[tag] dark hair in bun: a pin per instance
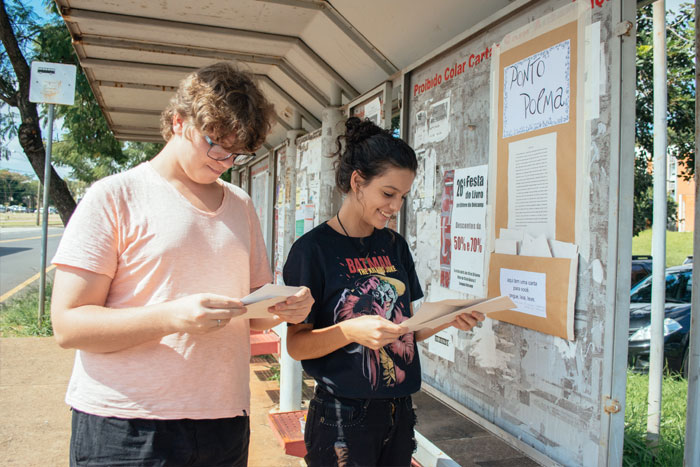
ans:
(370, 150)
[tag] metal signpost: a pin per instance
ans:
(50, 83)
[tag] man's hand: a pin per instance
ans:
(203, 313)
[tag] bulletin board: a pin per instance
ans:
(374, 105)
(534, 163)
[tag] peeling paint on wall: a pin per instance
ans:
(484, 348)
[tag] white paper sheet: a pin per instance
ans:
(592, 70)
(536, 91)
(429, 178)
(421, 133)
(563, 249)
(266, 296)
(468, 230)
(527, 289)
(506, 246)
(535, 246)
(439, 126)
(373, 111)
(532, 185)
(443, 343)
(434, 314)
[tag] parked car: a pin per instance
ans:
(3, 208)
(679, 283)
(641, 268)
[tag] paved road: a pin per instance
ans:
(20, 254)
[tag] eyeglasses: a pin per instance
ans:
(218, 153)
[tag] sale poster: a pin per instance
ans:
(468, 231)
(445, 233)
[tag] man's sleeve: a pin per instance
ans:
(91, 238)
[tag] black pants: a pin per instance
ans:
(107, 441)
(359, 432)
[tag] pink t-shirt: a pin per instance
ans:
(136, 228)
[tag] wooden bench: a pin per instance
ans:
(287, 429)
(262, 343)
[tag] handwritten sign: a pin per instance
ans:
(468, 230)
(536, 91)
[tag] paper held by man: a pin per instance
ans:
(266, 296)
(434, 314)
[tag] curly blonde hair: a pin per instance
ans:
(220, 100)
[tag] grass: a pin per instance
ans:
(673, 411)
(20, 219)
(678, 246)
(18, 316)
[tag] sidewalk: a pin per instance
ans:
(35, 421)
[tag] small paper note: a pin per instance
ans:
(266, 296)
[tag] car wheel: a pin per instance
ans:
(684, 366)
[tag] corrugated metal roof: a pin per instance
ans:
(135, 52)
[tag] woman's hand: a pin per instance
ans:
(203, 313)
(296, 308)
(466, 321)
(372, 331)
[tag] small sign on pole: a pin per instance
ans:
(52, 83)
(49, 83)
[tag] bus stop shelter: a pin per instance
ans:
(435, 72)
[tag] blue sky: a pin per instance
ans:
(18, 161)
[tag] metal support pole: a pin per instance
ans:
(692, 418)
(658, 247)
(38, 203)
(290, 369)
(45, 217)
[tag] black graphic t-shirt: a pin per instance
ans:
(349, 278)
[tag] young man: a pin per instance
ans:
(149, 276)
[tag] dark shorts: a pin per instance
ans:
(359, 432)
(103, 441)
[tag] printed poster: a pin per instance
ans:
(421, 133)
(532, 178)
(439, 123)
(445, 229)
(443, 343)
(468, 230)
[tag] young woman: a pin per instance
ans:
(363, 280)
(149, 274)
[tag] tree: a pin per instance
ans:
(88, 145)
(17, 189)
(680, 47)
(17, 30)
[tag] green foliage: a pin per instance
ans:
(18, 316)
(17, 189)
(679, 245)
(26, 25)
(88, 145)
(680, 44)
(673, 412)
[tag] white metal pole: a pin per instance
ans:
(658, 247)
(692, 418)
(45, 216)
(290, 369)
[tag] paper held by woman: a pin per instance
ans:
(434, 314)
